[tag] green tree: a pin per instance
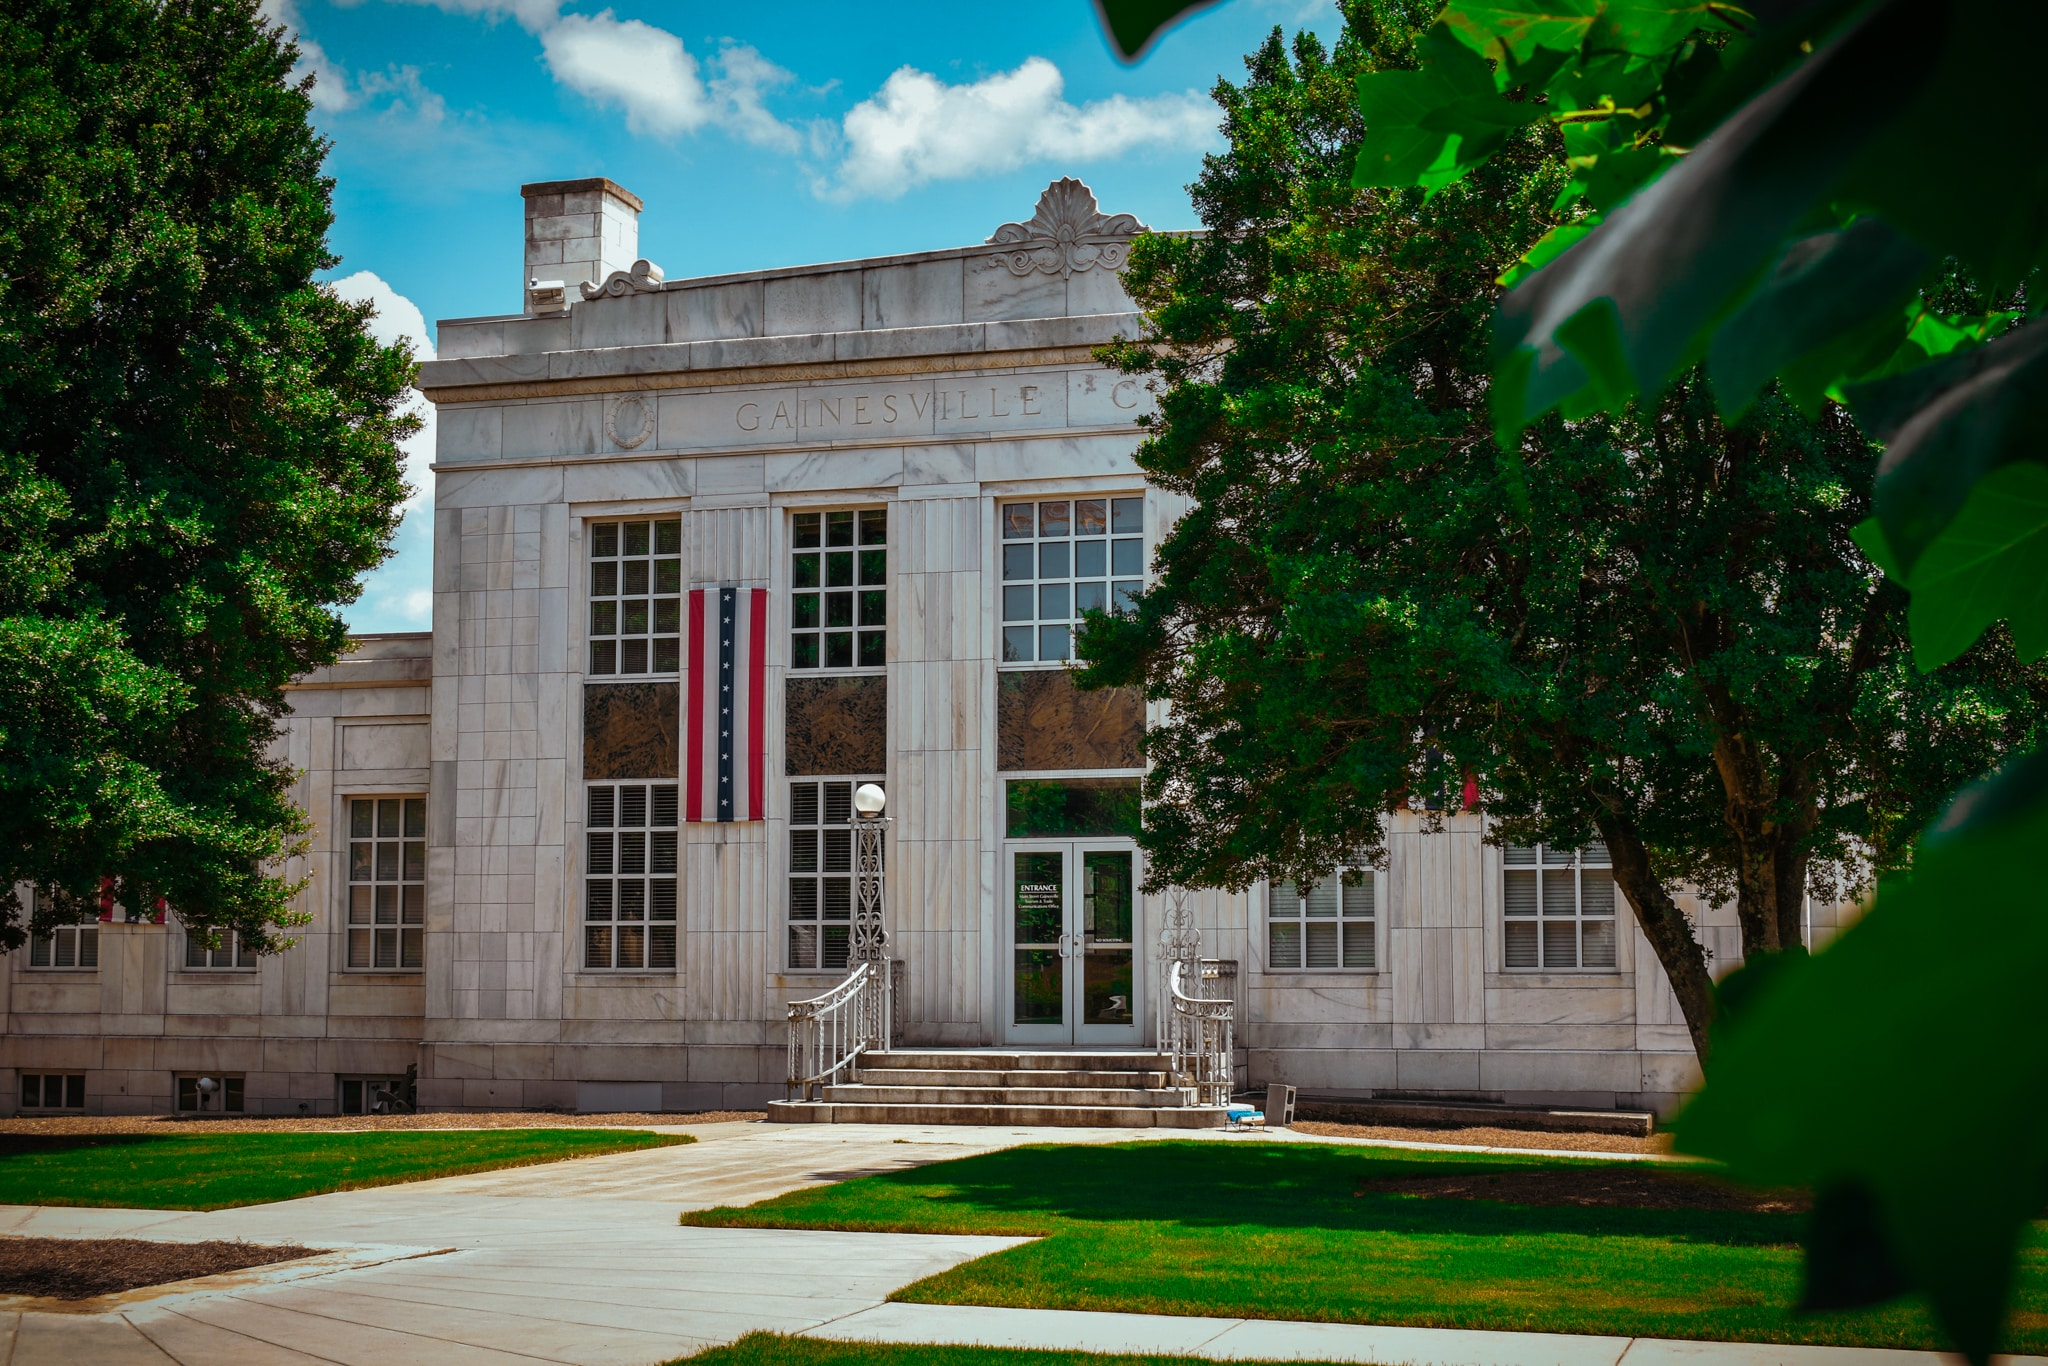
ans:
(198, 456)
(1789, 188)
(1655, 628)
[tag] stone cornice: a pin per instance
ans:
(947, 349)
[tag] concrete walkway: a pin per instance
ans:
(584, 1262)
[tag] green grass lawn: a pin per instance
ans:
(216, 1171)
(1292, 1232)
(773, 1349)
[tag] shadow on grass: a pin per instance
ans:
(1214, 1186)
(36, 1145)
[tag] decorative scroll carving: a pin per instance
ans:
(836, 725)
(1066, 234)
(643, 278)
(1044, 722)
(632, 730)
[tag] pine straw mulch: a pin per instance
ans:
(80, 1268)
(167, 1125)
(1483, 1137)
(1589, 1186)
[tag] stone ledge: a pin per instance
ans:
(1451, 1115)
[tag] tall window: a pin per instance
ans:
(387, 882)
(636, 597)
(66, 946)
(629, 887)
(821, 873)
(229, 955)
(839, 595)
(1558, 907)
(1063, 558)
(1332, 924)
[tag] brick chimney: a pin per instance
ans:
(576, 230)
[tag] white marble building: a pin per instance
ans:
(924, 472)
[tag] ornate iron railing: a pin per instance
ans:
(827, 1034)
(1198, 1038)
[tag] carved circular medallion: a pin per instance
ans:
(629, 421)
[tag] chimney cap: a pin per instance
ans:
(610, 187)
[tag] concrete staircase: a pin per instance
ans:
(1066, 1088)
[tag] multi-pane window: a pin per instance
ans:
(371, 1095)
(629, 885)
(1557, 907)
(821, 872)
(636, 597)
(52, 1091)
(66, 946)
(229, 954)
(1331, 924)
(225, 1095)
(387, 882)
(839, 595)
(1063, 558)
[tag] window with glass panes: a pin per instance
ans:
(839, 593)
(387, 883)
(1331, 924)
(636, 597)
(66, 946)
(821, 872)
(53, 1090)
(629, 877)
(229, 954)
(1062, 558)
(1557, 907)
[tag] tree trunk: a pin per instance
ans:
(1665, 926)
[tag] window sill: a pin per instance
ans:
(395, 976)
(212, 974)
(1559, 977)
(1346, 975)
(628, 974)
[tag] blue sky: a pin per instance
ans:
(758, 137)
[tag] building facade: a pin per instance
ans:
(707, 554)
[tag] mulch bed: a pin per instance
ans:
(164, 1125)
(80, 1268)
(1488, 1137)
(1603, 1187)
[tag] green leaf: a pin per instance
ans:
(1939, 983)
(1990, 563)
(1869, 538)
(1824, 286)
(1548, 248)
(1519, 28)
(1946, 425)
(1682, 252)
(1134, 25)
(1428, 127)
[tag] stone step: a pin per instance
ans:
(868, 1094)
(1045, 1116)
(1020, 1060)
(933, 1076)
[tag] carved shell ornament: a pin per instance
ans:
(629, 421)
(1066, 234)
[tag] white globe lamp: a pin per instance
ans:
(868, 799)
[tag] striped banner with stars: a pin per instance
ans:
(725, 767)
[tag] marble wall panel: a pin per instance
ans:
(914, 294)
(1104, 398)
(836, 725)
(631, 730)
(714, 312)
(619, 481)
(455, 489)
(1058, 458)
(551, 429)
(1044, 722)
(384, 746)
(993, 293)
(928, 466)
(826, 302)
(464, 432)
(1097, 291)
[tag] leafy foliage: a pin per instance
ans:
(197, 456)
(1788, 191)
(1656, 629)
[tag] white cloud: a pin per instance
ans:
(918, 129)
(647, 72)
(531, 15)
(398, 595)
(396, 317)
(637, 66)
(330, 81)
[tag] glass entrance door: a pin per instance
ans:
(1073, 943)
